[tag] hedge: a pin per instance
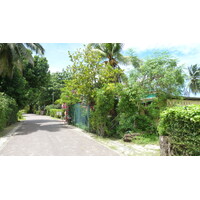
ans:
(49, 107)
(54, 113)
(8, 110)
(182, 125)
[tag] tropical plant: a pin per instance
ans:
(182, 126)
(13, 54)
(159, 74)
(194, 79)
(110, 53)
(87, 75)
(8, 110)
(37, 78)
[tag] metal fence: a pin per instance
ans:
(79, 115)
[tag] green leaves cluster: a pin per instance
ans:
(182, 125)
(103, 118)
(194, 79)
(8, 110)
(117, 104)
(12, 55)
(87, 75)
(159, 74)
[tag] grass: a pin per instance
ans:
(145, 139)
(7, 129)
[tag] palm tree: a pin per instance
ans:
(194, 79)
(111, 53)
(13, 54)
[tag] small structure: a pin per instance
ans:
(184, 101)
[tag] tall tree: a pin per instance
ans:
(86, 75)
(15, 87)
(159, 74)
(111, 53)
(52, 91)
(37, 77)
(194, 79)
(13, 54)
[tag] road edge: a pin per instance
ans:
(5, 139)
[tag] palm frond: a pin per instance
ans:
(36, 47)
(13, 55)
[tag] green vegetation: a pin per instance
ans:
(20, 115)
(146, 139)
(50, 107)
(12, 55)
(182, 125)
(118, 102)
(58, 113)
(109, 102)
(194, 79)
(8, 111)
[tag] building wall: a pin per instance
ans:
(174, 102)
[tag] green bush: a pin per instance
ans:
(102, 119)
(37, 112)
(20, 114)
(8, 110)
(130, 116)
(49, 107)
(182, 125)
(54, 112)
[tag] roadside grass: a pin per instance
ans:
(7, 129)
(145, 139)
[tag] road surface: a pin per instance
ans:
(43, 136)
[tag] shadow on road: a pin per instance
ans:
(37, 125)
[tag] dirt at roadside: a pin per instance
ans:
(129, 149)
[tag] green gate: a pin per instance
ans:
(79, 114)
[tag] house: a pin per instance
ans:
(184, 101)
(174, 101)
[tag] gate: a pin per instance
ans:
(79, 114)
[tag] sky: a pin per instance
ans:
(57, 53)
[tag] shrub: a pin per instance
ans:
(102, 119)
(49, 107)
(8, 110)
(182, 125)
(54, 112)
(20, 114)
(131, 115)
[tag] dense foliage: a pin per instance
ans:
(151, 83)
(49, 107)
(193, 79)
(87, 75)
(182, 125)
(119, 105)
(8, 110)
(103, 120)
(37, 78)
(15, 87)
(12, 55)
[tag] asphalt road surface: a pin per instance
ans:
(43, 136)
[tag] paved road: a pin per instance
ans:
(43, 136)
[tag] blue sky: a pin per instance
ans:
(57, 53)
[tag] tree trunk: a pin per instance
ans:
(165, 146)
